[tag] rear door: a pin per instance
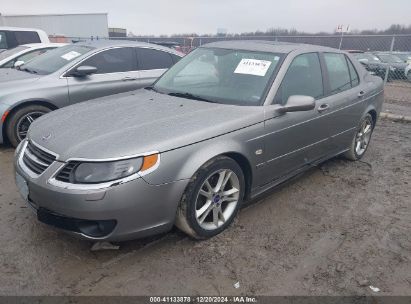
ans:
(152, 64)
(345, 99)
(116, 73)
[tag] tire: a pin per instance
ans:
(210, 205)
(361, 139)
(21, 120)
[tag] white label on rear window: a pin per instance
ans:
(70, 55)
(253, 67)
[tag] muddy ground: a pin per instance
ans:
(335, 230)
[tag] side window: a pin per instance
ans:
(24, 37)
(353, 73)
(113, 61)
(149, 59)
(3, 40)
(338, 74)
(303, 77)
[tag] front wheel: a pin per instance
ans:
(212, 198)
(20, 121)
(361, 139)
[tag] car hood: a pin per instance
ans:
(12, 80)
(139, 122)
(12, 75)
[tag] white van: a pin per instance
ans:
(10, 37)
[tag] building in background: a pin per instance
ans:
(115, 32)
(62, 25)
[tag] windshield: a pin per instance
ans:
(389, 58)
(8, 53)
(369, 57)
(54, 60)
(221, 75)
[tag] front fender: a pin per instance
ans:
(182, 163)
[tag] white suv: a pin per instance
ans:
(10, 37)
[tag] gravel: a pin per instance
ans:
(335, 230)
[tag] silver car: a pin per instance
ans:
(226, 123)
(75, 73)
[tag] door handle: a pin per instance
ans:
(361, 94)
(323, 107)
(128, 78)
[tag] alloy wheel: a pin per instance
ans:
(363, 136)
(217, 199)
(24, 123)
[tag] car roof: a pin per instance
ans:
(267, 46)
(12, 28)
(41, 45)
(111, 43)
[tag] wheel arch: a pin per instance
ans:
(22, 104)
(374, 115)
(183, 163)
(245, 166)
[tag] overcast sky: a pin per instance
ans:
(205, 16)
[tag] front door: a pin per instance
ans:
(295, 139)
(116, 73)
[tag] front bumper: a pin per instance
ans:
(126, 211)
(3, 110)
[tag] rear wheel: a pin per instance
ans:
(361, 139)
(19, 122)
(211, 199)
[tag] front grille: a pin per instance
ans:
(65, 173)
(36, 159)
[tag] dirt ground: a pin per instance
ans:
(335, 230)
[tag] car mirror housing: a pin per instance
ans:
(83, 71)
(296, 103)
(18, 64)
(363, 60)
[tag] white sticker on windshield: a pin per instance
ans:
(253, 67)
(70, 55)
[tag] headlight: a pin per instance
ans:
(98, 172)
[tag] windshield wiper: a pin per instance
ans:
(190, 96)
(29, 71)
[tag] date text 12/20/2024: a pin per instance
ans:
(219, 299)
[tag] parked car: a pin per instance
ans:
(226, 123)
(396, 65)
(10, 37)
(372, 63)
(407, 72)
(75, 73)
(404, 56)
(24, 53)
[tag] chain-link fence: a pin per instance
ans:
(387, 56)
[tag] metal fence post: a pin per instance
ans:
(387, 71)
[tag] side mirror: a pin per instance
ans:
(363, 60)
(18, 64)
(83, 70)
(296, 103)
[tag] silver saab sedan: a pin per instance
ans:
(226, 123)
